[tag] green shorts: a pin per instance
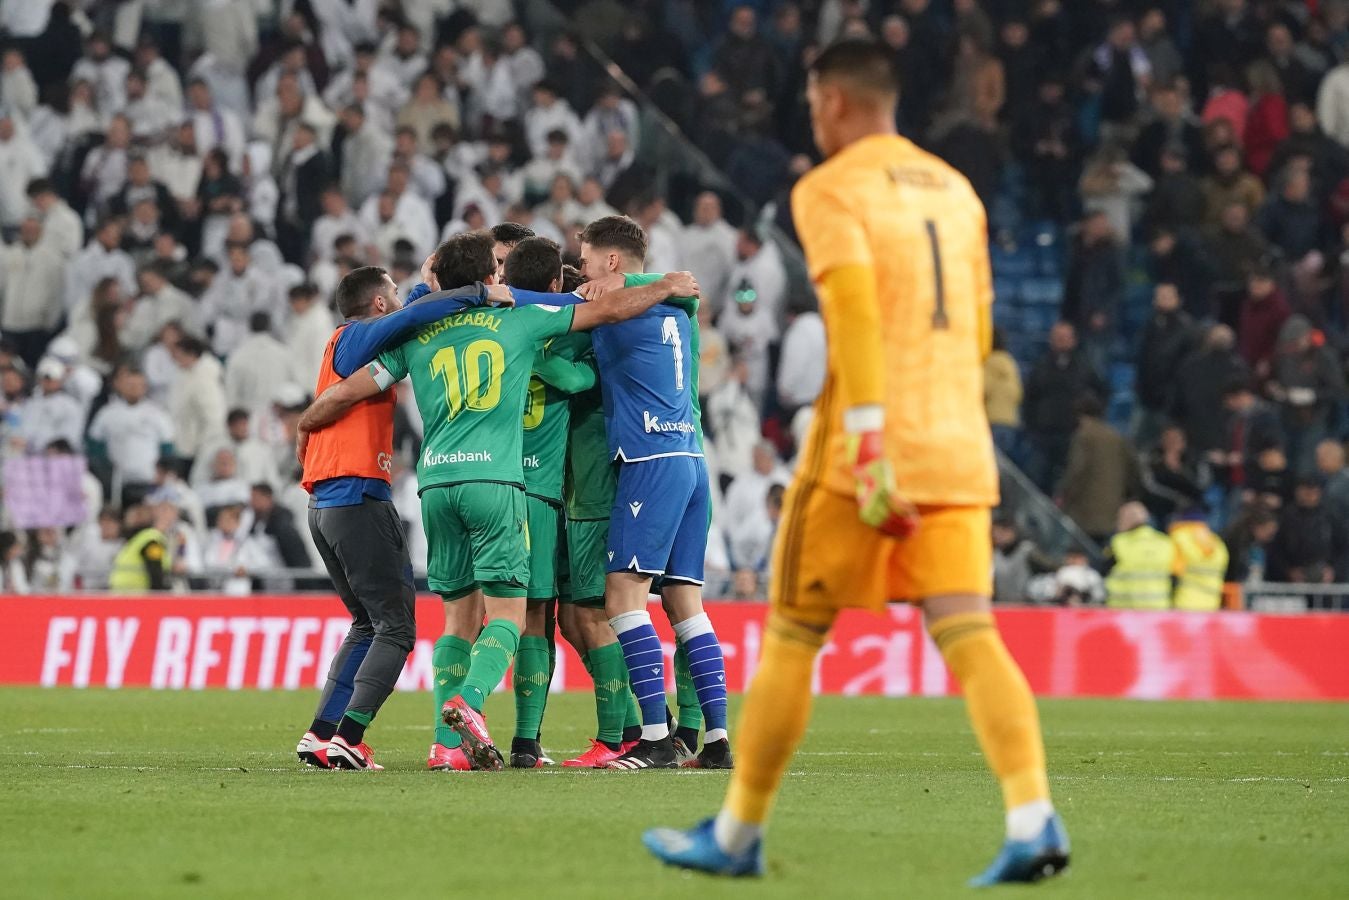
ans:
(476, 538)
(546, 544)
(587, 542)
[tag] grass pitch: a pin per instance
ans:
(143, 794)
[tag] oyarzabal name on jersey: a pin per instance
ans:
(652, 423)
(444, 459)
(479, 318)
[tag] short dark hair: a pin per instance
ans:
(357, 289)
(193, 347)
(260, 321)
(40, 186)
(1089, 405)
(264, 489)
(236, 415)
(571, 278)
(511, 233)
(616, 233)
(465, 259)
(867, 63)
(534, 264)
(303, 289)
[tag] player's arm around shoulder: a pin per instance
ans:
(605, 306)
(329, 406)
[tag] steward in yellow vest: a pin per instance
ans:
(1201, 563)
(1144, 559)
(143, 563)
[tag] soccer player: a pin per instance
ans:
(896, 242)
(470, 375)
(563, 367)
(356, 530)
(658, 523)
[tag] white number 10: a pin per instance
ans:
(669, 334)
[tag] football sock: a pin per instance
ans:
(686, 695)
(352, 727)
(341, 683)
(449, 666)
(613, 695)
(531, 686)
(646, 667)
(708, 671)
(322, 730)
(632, 723)
(1000, 706)
(772, 723)
(491, 657)
(551, 638)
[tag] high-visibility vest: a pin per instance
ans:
(128, 566)
(1202, 563)
(1141, 579)
(358, 445)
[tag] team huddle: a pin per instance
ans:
(890, 502)
(561, 473)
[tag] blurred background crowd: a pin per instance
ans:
(182, 184)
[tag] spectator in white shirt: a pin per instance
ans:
(307, 334)
(62, 229)
(404, 57)
(196, 399)
(253, 460)
(94, 546)
(382, 88)
(31, 279)
(103, 257)
(412, 213)
(759, 265)
(224, 487)
(337, 219)
(239, 290)
(176, 164)
(733, 418)
(426, 109)
(161, 79)
(617, 158)
(802, 362)
(525, 64)
(150, 116)
(541, 173)
(709, 249)
(20, 163)
(279, 116)
(16, 84)
(105, 71)
(611, 112)
(491, 89)
(662, 254)
(749, 331)
(51, 414)
(254, 367)
(427, 176)
(214, 125)
(366, 151)
(159, 304)
(746, 496)
(81, 381)
(104, 171)
(751, 541)
(292, 61)
(131, 432)
(548, 113)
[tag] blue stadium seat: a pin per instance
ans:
(1012, 262)
(1006, 291)
(1042, 292)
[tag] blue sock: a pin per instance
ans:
(708, 669)
(646, 665)
(341, 679)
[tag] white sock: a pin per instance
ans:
(655, 732)
(692, 627)
(734, 836)
(1028, 820)
(715, 734)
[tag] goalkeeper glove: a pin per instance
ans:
(879, 502)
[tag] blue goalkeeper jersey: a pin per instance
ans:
(646, 380)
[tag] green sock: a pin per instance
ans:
(613, 698)
(449, 665)
(491, 657)
(690, 710)
(531, 685)
(363, 718)
(551, 638)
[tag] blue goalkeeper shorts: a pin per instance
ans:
(658, 524)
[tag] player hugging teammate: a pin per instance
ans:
(492, 497)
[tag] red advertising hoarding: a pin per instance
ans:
(285, 642)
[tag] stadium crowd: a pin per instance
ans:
(182, 185)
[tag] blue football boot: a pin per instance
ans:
(697, 849)
(1042, 856)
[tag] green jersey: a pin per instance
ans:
(564, 366)
(690, 306)
(470, 375)
(591, 480)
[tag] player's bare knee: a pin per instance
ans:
(937, 608)
(625, 592)
(536, 619)
(595, 628)
(570, 626)
(511, 609)
(681, 600)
